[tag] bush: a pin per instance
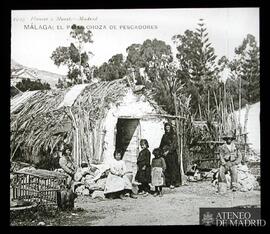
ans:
(29, 85)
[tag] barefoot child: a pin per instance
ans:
(158, 168)
(143, 175)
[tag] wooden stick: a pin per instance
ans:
(245, 129)
(80, 136)
(162, 115)
(246, 117)
(17, 88)
(200, 111)
(179, 140)
(239, 90)
(208, 101)
(15, 150)
(217, 106)
(76, 136)
(214, 142)
(233, 110)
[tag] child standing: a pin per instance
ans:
(143, 175)
(158, 168)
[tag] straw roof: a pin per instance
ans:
(38, 119)
(41, 119)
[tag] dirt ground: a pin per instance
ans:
(179, 206)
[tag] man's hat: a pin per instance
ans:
(84, 164)
(229, 136)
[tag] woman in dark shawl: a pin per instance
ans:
(169, 144)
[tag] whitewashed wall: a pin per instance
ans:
(152, 130)
(253, 125)
(133, 106)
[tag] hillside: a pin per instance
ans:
(45, 76)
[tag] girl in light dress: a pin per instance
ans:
(157, 173)
(117, 183)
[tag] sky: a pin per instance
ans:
(35, 34)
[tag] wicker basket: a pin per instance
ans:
(38, 186)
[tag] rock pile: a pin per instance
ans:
(91, 181)
(246, 180)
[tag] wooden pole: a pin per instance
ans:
(222, 118)
(225, 110)
(216, 102)
(245, 130)
(75, 141)
(219, 94)
(17, 89)
(80, 51)
(233, 113)
(80, 145)
(239, 121)
(208, 103)
(246, 118)
(179, 141)
(200, 112)
(225, 98)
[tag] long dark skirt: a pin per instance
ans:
(172, 173)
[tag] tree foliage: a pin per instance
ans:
(155, 59)
(74, 57)
(152, 55)
(114, 69)
(245, 66)
(29, 85)
(198, 68)
(165, 86)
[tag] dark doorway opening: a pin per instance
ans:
(127, 139)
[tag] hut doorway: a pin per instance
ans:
(127, 139)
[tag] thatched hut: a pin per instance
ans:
(96, 118)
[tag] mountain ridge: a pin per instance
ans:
(43, 75)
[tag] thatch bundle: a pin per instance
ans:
(39, 123)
